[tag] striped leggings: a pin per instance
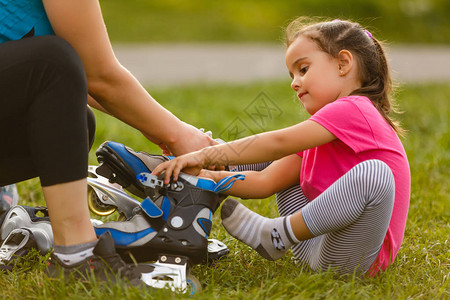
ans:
(349, 219)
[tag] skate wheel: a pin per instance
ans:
(96, 206)
(193, 285)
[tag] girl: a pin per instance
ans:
(351, 166)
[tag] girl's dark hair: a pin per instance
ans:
(374, 73)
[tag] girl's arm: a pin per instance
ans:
(279, 175)
(80, 22)
(268, 146)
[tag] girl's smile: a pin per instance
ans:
(300, 95)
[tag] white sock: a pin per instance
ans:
(270, 237)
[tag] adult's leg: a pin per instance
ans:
(43, 111)
(44, 96)
(44, 81)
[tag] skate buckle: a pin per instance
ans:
(216, 249)
(169, 272)
(150, 180)
(153, 182)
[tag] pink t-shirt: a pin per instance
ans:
(362, 134)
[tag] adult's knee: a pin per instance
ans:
(55, 49)
(61, 58)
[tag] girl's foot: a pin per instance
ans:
(270, 237)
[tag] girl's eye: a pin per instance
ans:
(303, 70)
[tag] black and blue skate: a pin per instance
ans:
(173, 222)
(176, 219)
(171, 226)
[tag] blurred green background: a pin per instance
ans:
(397, 21)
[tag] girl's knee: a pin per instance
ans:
(374, 168)
(374, 163)
(379, 180)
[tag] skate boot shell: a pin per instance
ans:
(22, 230)
(176, 219)
(19, 243)
(21, 216)
(170, 226)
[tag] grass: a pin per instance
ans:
(421, 270)
(399, 21)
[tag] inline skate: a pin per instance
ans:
(172, 223)
(21, 230)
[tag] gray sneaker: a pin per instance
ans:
(106, 265)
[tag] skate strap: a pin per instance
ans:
(210, 185)
(203, 183)
(227, 182)
(151, 209)
(223, 185)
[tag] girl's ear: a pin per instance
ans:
(345, 58)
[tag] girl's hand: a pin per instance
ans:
(191, 163)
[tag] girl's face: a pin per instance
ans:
(317, 78)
